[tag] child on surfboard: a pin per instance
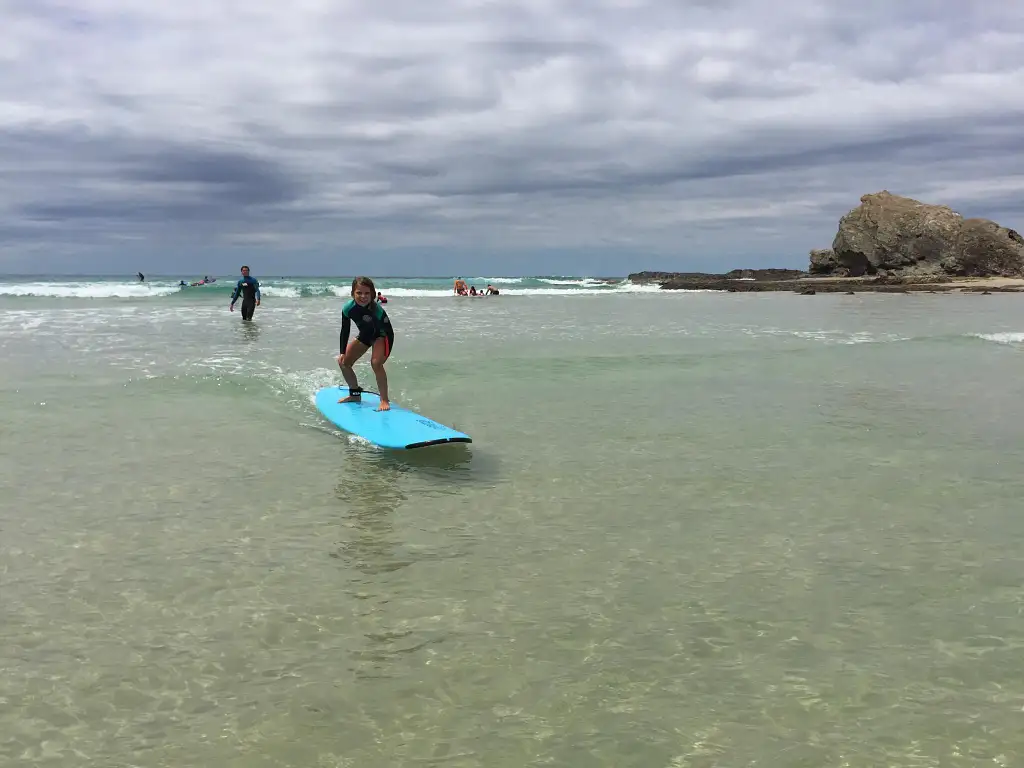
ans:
(374, 332)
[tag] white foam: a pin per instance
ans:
(1006, 337)
(298, 290)
(867, 338)
(282, 292)
(88, 290)
(617, 289)
(552, 291)
(21, 320)
(586, 282)
(828, 336)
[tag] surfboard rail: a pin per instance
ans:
(439, 441)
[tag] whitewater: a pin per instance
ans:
(104, 287)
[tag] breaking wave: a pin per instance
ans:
(304, 288)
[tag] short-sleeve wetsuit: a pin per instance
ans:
(371, 322)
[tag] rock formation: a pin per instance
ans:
(889, 244)
(770, 274)
(892, 235)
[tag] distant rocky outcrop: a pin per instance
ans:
(735, 274)
(802, 283)
(889, 244)
(898, 236)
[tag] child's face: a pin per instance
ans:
(362, 295)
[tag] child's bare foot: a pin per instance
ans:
(384, 406)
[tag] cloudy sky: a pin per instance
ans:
(542, 136)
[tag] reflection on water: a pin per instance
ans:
(448, 467)
(369, 496)
(437, 461)
(389, 612)
(250, 330)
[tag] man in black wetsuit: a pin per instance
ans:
(249, 287)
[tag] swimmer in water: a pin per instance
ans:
(374, 332)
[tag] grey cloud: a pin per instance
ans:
(20, 233)
(758, 153)
(549, 126)
(226, 177)
(191, 181)
(124, 209)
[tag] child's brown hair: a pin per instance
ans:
(368, 283)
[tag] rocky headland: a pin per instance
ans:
(888, 243)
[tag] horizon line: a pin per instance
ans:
(294, 275)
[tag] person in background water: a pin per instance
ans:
(374, 332)
(249, 287)
(381, 298)
(142, 277)
(460, 286)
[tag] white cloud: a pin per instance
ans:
(730, 127)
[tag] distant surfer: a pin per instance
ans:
(374, 332)
(249, 288)
(142, 277)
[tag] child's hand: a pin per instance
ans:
(340, 358)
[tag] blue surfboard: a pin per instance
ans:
(397, 428)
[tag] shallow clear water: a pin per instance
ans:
(692, 530)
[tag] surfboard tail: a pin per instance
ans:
(439, 441)
(398, 428)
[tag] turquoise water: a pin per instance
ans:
(693, 529)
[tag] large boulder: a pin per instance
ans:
(985, 248)
(824, 262)
(894, 235)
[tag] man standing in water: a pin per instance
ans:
(249, 287)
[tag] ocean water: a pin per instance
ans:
(693, 529)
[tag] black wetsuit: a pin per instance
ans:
(371, 322)
(249, 287)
